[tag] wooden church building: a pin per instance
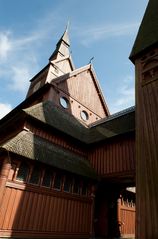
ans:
(66, 163)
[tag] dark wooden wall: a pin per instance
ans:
(83, 89)
(114, 156)
(147, 144)
(36, 212)
(57, 138)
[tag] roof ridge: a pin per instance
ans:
(114, 116)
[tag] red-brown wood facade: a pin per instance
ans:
(115, 156)
(30, 210)
(147, 141)
(35, 211)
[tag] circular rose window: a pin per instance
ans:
(84, 115)
(64, 102)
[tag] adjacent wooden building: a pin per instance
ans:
(65, 162)
(145, 57)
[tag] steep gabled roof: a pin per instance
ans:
(96, 82)
(36, 148)
(148, 32)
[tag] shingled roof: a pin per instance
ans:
(111, 126)
(148, 32)
(50, 114)
(28, 145)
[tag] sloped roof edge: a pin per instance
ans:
(30, 146)
(147, 35)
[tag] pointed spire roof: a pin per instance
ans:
(65, 36)
(148, 32)
(62, 47)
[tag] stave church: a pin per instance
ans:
(67, 166)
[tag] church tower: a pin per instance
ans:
(76, 91)
(145, 57)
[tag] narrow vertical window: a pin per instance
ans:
(76, 186)
(47, 178)
(85, 189)
(67, 184)
(35, 175)
(23, 172)
(57, 181)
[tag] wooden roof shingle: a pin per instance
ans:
(30, 146)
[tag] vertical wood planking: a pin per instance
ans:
(35, 212)
(114, 157)
(56, 139)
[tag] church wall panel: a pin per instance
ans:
(56, 139)
(36, 214)
(116, 156)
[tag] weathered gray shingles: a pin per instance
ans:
(36, 148)
(148, 31)
(30, 146)
(111, 126)
(50, 114)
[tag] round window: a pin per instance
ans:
(84, 115)
(64, 102)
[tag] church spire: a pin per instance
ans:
(148, 32)
(62, 47)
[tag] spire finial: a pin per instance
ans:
(67, 26)
(62, 47)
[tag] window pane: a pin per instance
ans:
(76, 188)
(68, 184)
(47, 178)
(23, 172)
(64, 102)
(84, 115)
(57, 181)
(35, 176)
(84, 189)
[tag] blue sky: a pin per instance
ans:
(103, 29)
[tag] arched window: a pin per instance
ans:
(23, 172)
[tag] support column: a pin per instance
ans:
(4, 176)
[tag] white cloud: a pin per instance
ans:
(4, 109)
(20, 78)
(18, 60)
(5, 45)
(125, 95)
(91, 34)
(19, 54)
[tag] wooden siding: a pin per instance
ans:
(82, 87)
(57, 139)
(126, 218)
(147, 144)
(115, 156)
(29, 213)
(75, 106)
